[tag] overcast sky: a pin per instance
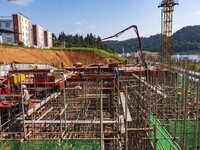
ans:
(102, 17)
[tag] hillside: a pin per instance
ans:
(185, 40)
(51, 57)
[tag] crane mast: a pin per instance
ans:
(166, 27)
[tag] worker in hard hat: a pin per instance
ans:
(36, 66)
(25, 98)
(116, 72)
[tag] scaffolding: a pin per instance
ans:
(139, 109)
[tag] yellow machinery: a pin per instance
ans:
(17, 78)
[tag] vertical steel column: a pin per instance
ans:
(185, 106)
(197, 114)
(150, 96)
(64, 94)
(0, 125)
(101, 114)
(23, 115)
(156, 116)
(118, 89)
(126, 127)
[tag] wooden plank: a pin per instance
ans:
(36, 107)
(70, 121)
(122, 97)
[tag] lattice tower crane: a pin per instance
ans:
(166, 27)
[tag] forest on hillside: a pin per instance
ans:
(185, 40)
(79, 41)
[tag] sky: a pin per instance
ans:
(102, 17)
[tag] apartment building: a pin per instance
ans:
(22, 24)
(30, 35)
(7, 24)
(38, 36)
(48, 39)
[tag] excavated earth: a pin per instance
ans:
(51, 57)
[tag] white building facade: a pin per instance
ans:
(38, 36)
(22, 25)
(24, 32)
(48, 39)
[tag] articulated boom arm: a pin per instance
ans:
(138, 37)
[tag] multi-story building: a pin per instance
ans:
(48, 39)
(7, 24)
(38, 36)
(22, 24)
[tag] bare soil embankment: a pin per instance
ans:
(51, 57)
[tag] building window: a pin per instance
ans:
(0, 24)
(9, 40)
(7, 24)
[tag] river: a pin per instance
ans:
(193, 57)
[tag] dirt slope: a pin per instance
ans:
(68, 58)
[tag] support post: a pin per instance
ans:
(101, 115)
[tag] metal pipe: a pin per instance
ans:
(197, 113)
(101, 115)
(22, 101)
(126, 105)
(64, 100)
(70, 122)
(185, 107)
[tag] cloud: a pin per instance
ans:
(177, 27)
(92, 26)
(80, 22)
(198, 13)
(22, 2)
(78, 30)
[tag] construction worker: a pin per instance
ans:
(99, 70)
(63, 75)
(25, 98)
(81, 74)
(12, 66)
(36, 66)
(116, 72)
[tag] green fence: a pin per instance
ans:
(51, 145)
(176, 130)
(160, 138)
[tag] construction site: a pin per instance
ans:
(144, 105)
(139, 109)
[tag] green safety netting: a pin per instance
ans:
(176, 130)
(163, 138)
(51, 145)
